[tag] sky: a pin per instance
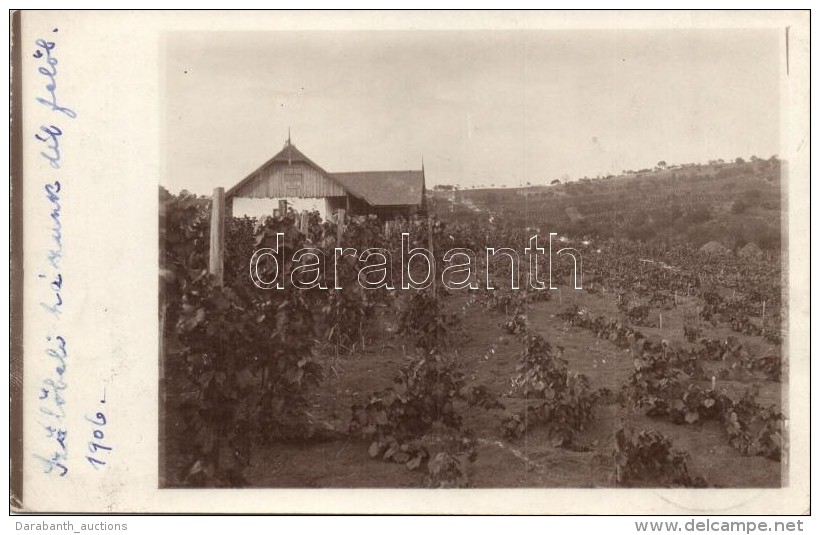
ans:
(480, 108)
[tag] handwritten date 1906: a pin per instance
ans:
(98, 446)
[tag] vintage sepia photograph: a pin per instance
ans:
(473, 259)
(383, 262)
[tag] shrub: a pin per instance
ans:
(424, 397)
(567, 404)
(424, 317)
(647, 458)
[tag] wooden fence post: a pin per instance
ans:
(340, 226)
(216, 260)
(283, 208)
(303, 223)
(432, 252)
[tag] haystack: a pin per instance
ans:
(715, 248)
(750, 250)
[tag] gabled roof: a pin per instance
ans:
(377, 188)
(288, 154)
(384, 188)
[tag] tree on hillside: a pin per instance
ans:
(554, 182)
(739, 160)
(662, 164)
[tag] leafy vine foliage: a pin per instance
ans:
(647, 458)
(425, 319)
(663, 386)
(565, 400)
(241, 359)
(422, 400)
(241, 363)
(426, 402)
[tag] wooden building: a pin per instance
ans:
(295, 178)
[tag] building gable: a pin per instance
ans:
(282, 180)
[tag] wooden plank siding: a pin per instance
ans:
(280, 180)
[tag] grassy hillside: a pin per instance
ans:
(732, 203)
